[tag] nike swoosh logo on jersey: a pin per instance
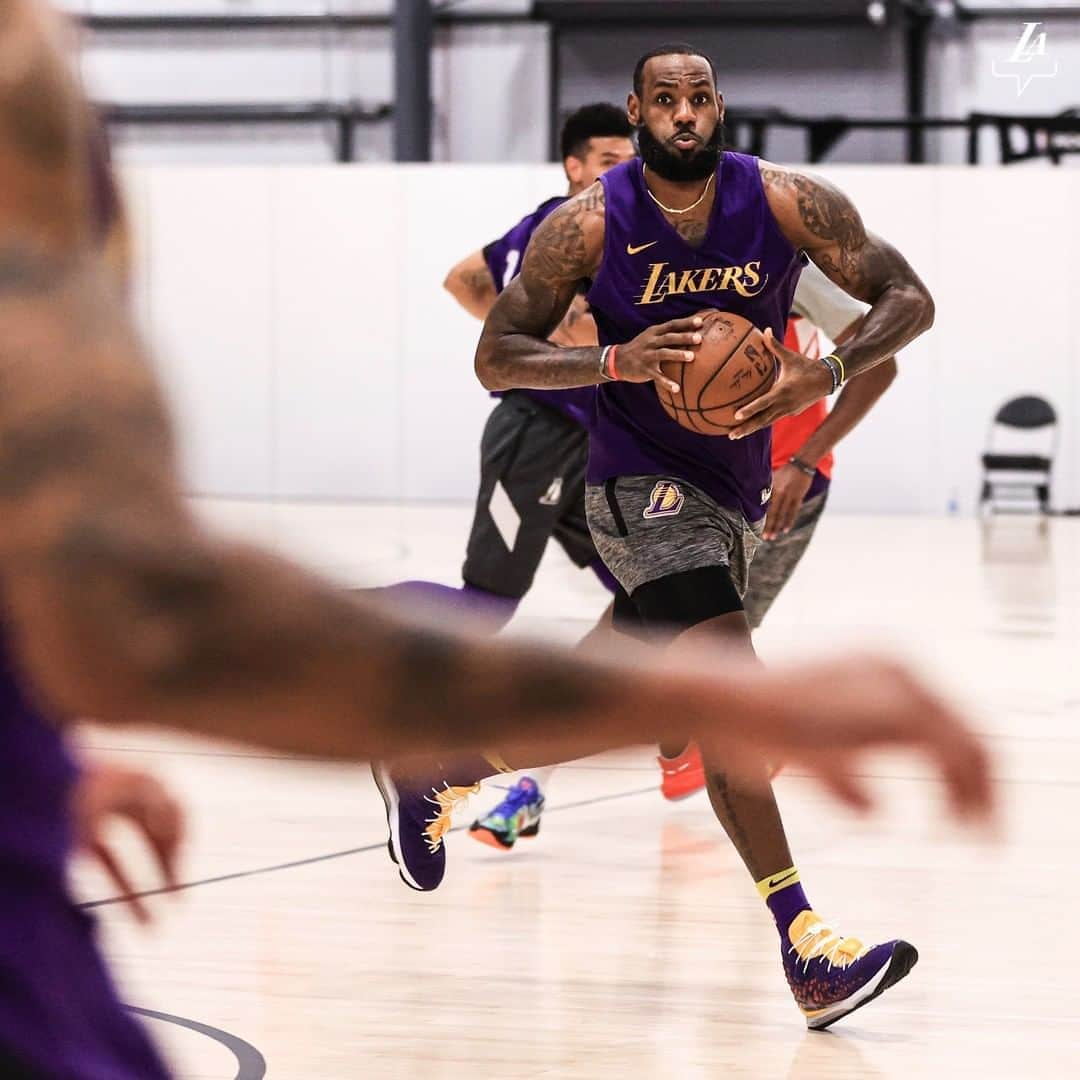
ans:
(780, 881)
(631, 250)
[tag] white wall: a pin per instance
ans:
(311, 351)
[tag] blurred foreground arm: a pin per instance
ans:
(123, 607)
(120, 605)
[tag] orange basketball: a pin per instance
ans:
(730, 368)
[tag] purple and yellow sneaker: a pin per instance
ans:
(518, 815)
(831, 975)
(419, 816)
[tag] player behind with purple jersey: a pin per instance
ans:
(676, 516)
(534, 447)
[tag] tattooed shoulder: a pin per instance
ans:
(567, 245)
(823, 211)
(819, 217)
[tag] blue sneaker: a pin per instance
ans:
(831, 975)
(419, 816)
(516, 816)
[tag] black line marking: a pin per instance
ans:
(730, 356)
(613, 506)
(378, 846)
(250, 1064)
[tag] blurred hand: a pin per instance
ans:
(105, 792)
(825, 716)
(801, 382)
(790, 486)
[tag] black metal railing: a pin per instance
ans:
(345, 117)
(1019, 138)
(1050, 137)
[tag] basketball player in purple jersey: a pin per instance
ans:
(119, 604)
(676, 515)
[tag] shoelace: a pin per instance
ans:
(437, 827)
(517, 797)
(821, 942)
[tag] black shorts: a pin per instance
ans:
(532, 488)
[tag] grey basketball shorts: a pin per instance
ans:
(776, 560)
(650, 527)
(532, 489)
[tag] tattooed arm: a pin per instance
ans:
(514, 349)
(470, 283)
(821, 220)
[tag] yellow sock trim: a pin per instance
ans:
(497, 761)
(775, 882)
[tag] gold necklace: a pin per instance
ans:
(668, 209)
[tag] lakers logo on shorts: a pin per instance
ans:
(666, 500)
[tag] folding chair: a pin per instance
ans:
(1019, 458)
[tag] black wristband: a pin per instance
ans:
(830, 362)
(806, 470)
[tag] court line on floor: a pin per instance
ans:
(250, 1063)
(305, 760)
(296, 863)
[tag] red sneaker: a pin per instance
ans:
(682, 776)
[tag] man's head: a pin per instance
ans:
(595, 138)
(678, 114)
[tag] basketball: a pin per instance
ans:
(731, 367)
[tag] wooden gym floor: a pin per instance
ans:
(626, 939)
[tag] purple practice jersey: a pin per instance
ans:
(60, 1016)
(648, 275)
(503, 258)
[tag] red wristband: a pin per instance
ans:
(613, 373)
